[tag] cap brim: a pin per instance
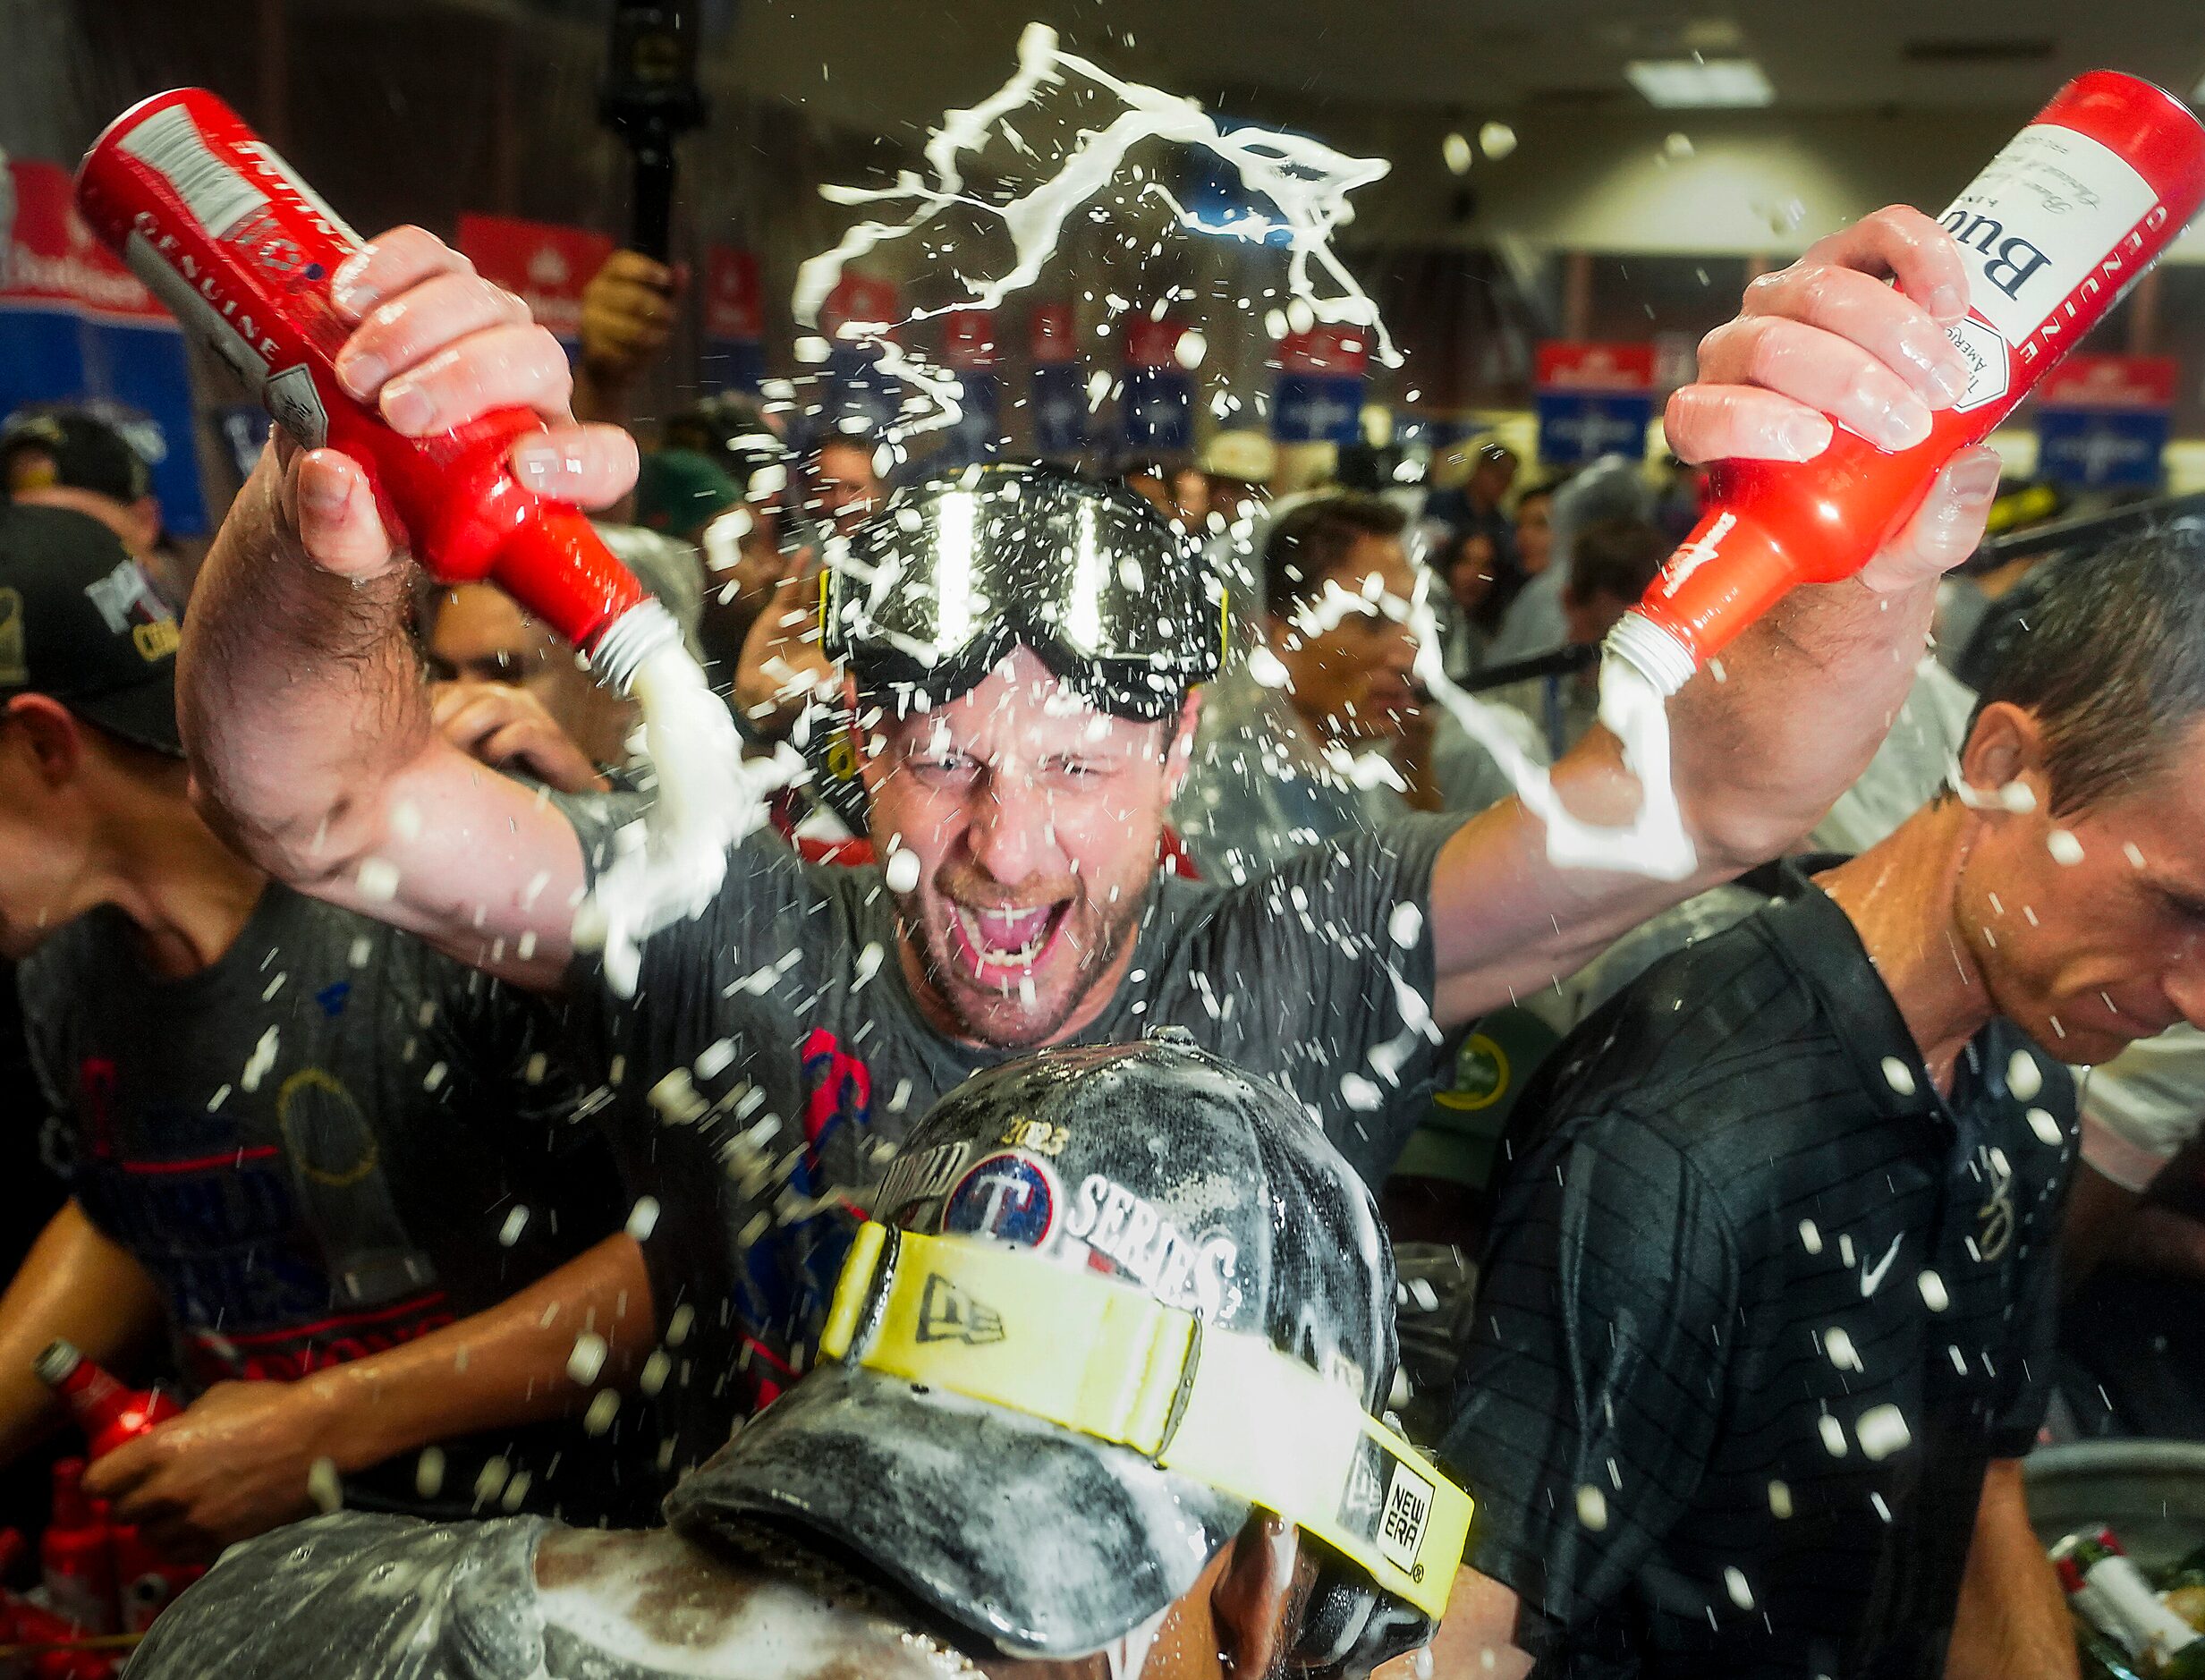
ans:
(1043, 1542)
(145, 714)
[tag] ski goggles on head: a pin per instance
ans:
(959, 570)
(1223, 1408)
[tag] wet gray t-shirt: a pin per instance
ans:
(773, 1057)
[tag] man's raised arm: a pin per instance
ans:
(301, 702)
(1807, 693)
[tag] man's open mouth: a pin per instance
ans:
(996, 943)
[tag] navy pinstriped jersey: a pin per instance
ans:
(1759, 1309)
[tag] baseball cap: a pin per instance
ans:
(81, 622)
(679, 490)
(86, 451)
(1157, 1176)
(1242, 454)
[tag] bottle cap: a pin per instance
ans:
(53, 1366)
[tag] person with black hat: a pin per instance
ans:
(63, 456)
(1101, 1393)
(279, 1124)
(1021, 646)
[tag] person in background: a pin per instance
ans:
(1842, 1131)
(1237, 467)
(1189, 496)
(627, 320)
(1476, 505)
(1611, 564)
(1677, 501)
(1321, 730)
(1612, 487)
(841, 483)
(481, 647)
(730, 505)
(1534, 526)
(301, 1146)
(983, 1522)
(71, 457)
(1478, 589)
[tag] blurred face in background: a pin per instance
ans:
(1350, 679)
(1490, 479)
(477, 634)
(840, 487)
(1534, 534)
(1471, 573)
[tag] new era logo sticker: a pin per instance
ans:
(947, 1315)
(1408, 1508)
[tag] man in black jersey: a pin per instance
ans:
(1766, 1319)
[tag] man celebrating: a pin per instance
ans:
(1017, 781)
(1097, 1401)
(1767, 1316)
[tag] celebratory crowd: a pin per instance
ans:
(1144, 1165)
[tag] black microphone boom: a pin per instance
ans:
(649, 97)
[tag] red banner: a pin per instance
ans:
(1327, 348)
(1579, 365)
(858, 297)
(1153, 344)
(734, 304)
(2109, 382)
(1050, 335)
(51, 256)
(968, 339)
(544, 265)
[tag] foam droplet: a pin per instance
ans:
(1592, 1507)
(1779, 1499)
(643, 1218)
(588, 1357)
(1882, 1431)
(325, 1487)
(1833, 1435)
(1809, 1236)
(1405, 924)
(428, 1473)
(1496, 141)
(1734, 1583)
(1898, 1076)
(2024, 1077)
(2046, 1127)
(2064, 848)
(378, 879)
(902, 872)
(1933, 1296)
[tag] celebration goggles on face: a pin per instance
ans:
(1005, 1327)
(958, 569)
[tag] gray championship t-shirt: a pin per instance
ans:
(773, 1057)
(329, 1142)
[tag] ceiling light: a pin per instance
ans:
(1701, 84)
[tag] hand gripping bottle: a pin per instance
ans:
(106, 1412)
(2062, 222)
(242, 252)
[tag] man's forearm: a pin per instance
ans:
(2012, 1622)
(536, 1354)
(298, 692)
(1805, 698)
(2159, 1241)
(74, 1283)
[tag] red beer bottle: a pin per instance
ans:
(106, 1412)
(2060, 225)
(75, 1561)
(242, 252)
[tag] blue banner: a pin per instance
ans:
(1059, 409)
(1576, 427)
(1158, 407)
(733, 364)
(2101, 448)
(1318, 408)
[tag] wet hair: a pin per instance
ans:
(1305, 545)
(1617, 557)
(2110, 661)
(1541, 489)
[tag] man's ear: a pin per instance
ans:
(2006, 747)
(1257, 1605)
(52, 738)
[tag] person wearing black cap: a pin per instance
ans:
(279, 1122)
(1101, 1394)
(1021, 646)
(71, 457)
